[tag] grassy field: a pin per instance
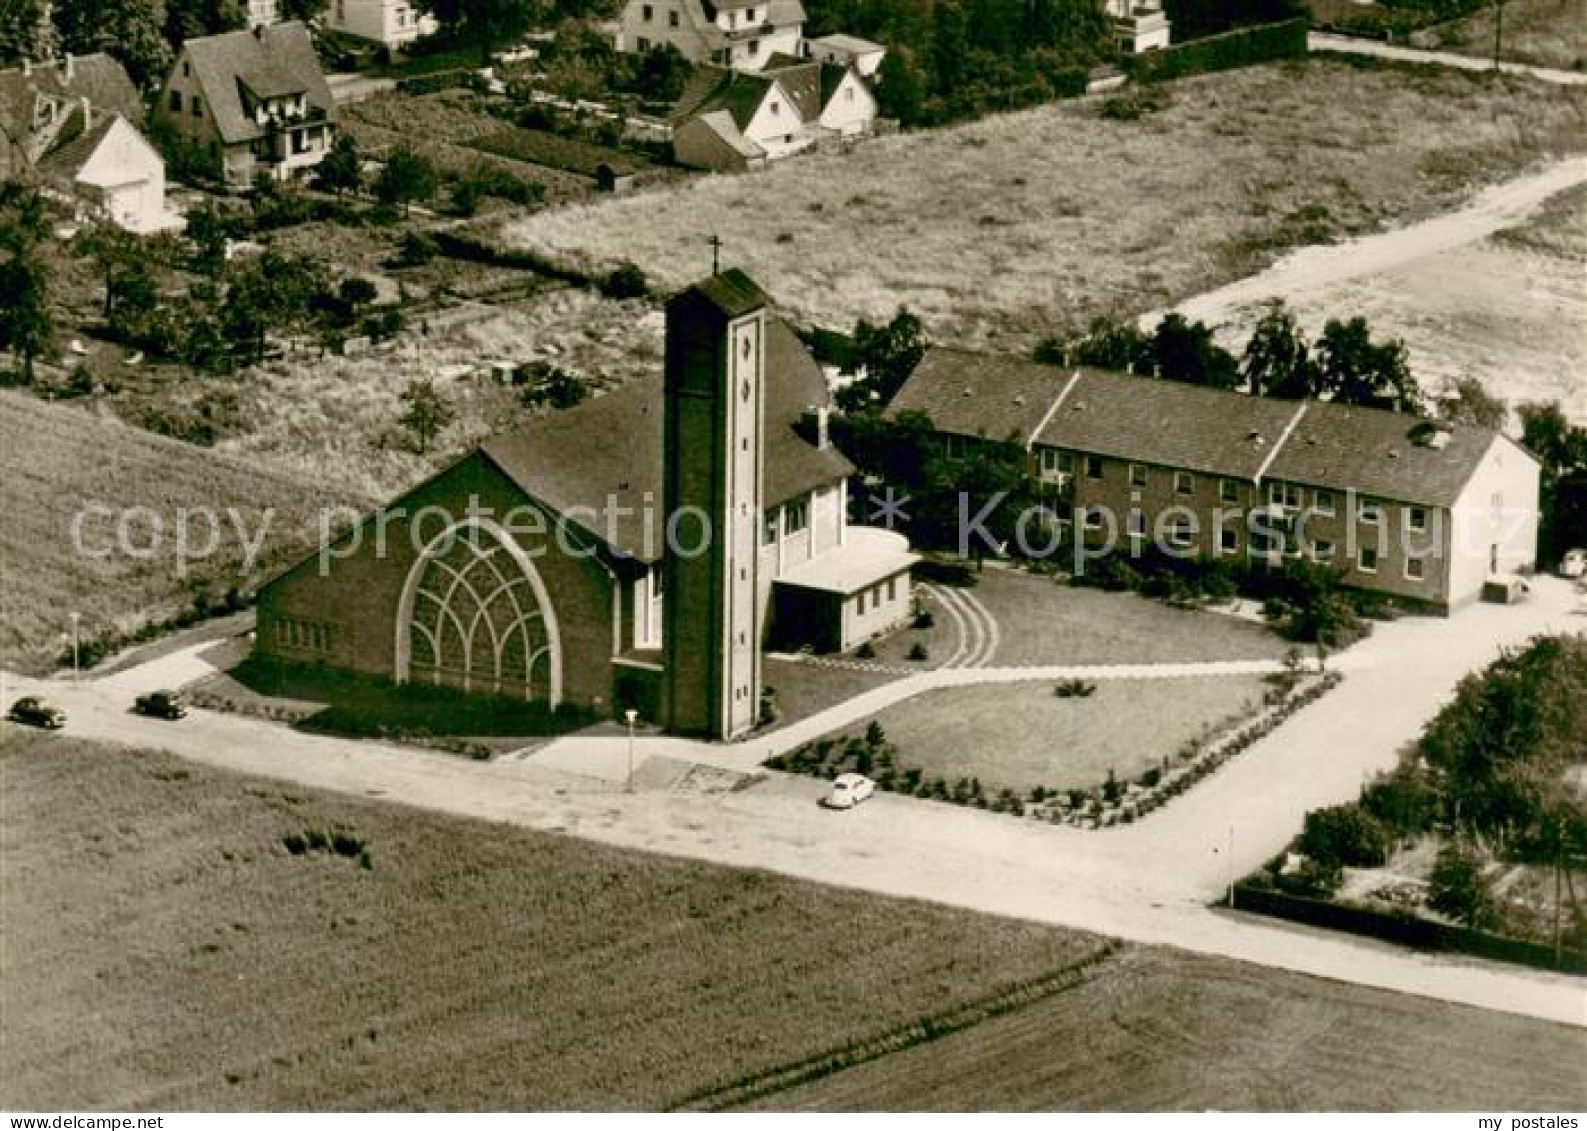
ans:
(1021, 735)
(164, 950)
(57, 461)
(1166, 1031)
(1042, 623)
(1510, 309)
(1004, 229)
(1545, 33)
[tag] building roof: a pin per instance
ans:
(977, 394)
(98, 78)
(1172, 424)
(279, 58)
(1168, 423)
(721, 123)
(716, 89)
(77, 146)
(605, 456)
(732, 292)
(852, 44)
(1381, 453)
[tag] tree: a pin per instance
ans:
(117, 253)
(26, 32)
(1562, 450)
(662, 74)
(208, 233)
(900, 89)
(1114, 345)
(357, 292)
(406, 176)
(1277, 360)
(129, 30)
(891, 352)
(427, 413)
(302, 10)
(26, 326)
(342, 169)
(190, 19)
(1185, 351)
(1344, 835)
(1357, 370)
(1458, 888)
(485, 23)
(273, 291)
(1466, 401)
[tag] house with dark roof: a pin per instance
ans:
(732, 120)
(391, 23)
(740, 34)
(72, 127)
(1421, 509)
(256, 100)
(637, 551)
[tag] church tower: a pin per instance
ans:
(715, 361)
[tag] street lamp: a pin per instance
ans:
(632, 716)
(76, 621)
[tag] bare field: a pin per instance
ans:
(1510, 309)
(1021, 735)
(56, 461)
(163, 950)
(1157, 1030)
(1545, 33)
(1001, 230)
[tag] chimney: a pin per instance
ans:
(27, 68)
(71, 66)
(88, 111)
(823, 432)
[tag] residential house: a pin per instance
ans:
(850, 50)
(1138, 25)
(392, 23)
(733, 120)
(636, 551)
(71, 126)
(1420, 509)
(741, 34)
(255, 99)
(263, 12)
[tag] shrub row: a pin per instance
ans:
(334, 843)
(1242, 48)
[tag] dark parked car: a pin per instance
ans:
(160, 705)
(32, 711)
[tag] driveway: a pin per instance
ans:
(1149, 881)
(1349, 45)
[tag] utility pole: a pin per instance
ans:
(631, 715)
(76, 621)
(1498, 30)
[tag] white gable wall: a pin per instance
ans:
(1494, 521)
(851, 110)
(126, 176)
(776, 126)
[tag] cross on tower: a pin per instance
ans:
(716, 253)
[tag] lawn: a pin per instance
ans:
(164, 950)
(1043, 623)
(1164, 1031)
(56, 462)
(1545, 33)
(1001, 230)
(1021, 735)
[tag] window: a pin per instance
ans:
(1322, 550)
(646, 13)
(1323, 501)
(1228, 541)
(1056, 464)
(772, 106)
(1182, 533)
(768, 528)
(749, 15)
(186, 68)
(1093, 467)
(1416, 519)
(859, 602)
(1415, 569)
(848, 94)
(644, 44)
(1367, 559)
(197, 106)
(1137, 475)
(892, 589)
(176, 102)
(1369, 511)
(672, 19)
(794, 516)
(1284, 494)
(1093, 518)
(1229, 490)
(1137, 524)
(754, 49)
(1184, 483)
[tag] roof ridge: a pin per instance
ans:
(1283, 439)
(1035, 433)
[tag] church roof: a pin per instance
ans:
(600, 463)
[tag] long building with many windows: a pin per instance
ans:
(1421, 509)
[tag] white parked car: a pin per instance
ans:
(1573, 564)
(848, 790)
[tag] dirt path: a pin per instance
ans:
(1304, 275)
(1348, 45)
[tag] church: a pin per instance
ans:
(639, 551)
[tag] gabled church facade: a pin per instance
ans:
(640, 550)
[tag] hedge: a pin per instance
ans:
(1422, 934)
(455, 245)
(1243, 48)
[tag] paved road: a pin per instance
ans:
(1313, 271)
(1148, 882)
(1348, 45)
